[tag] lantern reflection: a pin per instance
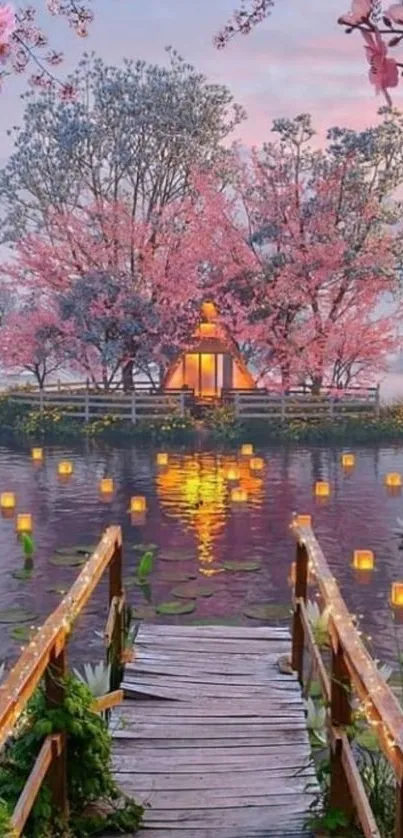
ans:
(194, 489)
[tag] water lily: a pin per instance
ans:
(319, 621)
(96, 678)
(316, 719)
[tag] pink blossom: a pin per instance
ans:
(395, 13)
(383, 71)
(360, 12)
(7, 23)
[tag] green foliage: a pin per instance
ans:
(28, 545)
(48, 423)
(173, 428)
(145, 566)
(6, 829)
(106, 425)
(221, 420)
(90, 780)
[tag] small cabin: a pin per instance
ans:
(212, 363)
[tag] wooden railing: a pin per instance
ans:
(45, 657)
(88, 404)
(352, 672)
(297, 404)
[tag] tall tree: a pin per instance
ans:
(32, 339)
(132, 133)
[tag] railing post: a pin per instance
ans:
(57, 773)
(301, 588)
(116, 590)
(340, 714)
(237, 405)
(283, 406)
(133, 407)
(182, 403)
(399, 809)
(378, 401)
(87, 405)
(41, 400)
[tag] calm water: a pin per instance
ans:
(189, 510)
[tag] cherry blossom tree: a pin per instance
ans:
(322, 239)
(32, 339)
(134, 133)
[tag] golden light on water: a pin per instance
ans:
(194, 489)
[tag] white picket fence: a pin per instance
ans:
(297, 405)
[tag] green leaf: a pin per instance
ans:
(28, 545)
(21, 633)
(176, 607)
(242, 566)
(145, 566)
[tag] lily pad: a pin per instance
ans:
(178, 554)
(143, 612)
(267, 611)
(176, 607)
(193, 590)
(23, 575)
(79, 550)
(144, 548)
(16, 615)
(21, 633)
(177, 576)
(67, 560)
(242, 566)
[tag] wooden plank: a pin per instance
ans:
(222, 646)
(31, 789)
(272, 761)
(207, 797)
(281, 732)
(106, 702)
(232, 815)
(197, 676)
(179, 693)
(266, 782)
(216, 632)
(242, 708)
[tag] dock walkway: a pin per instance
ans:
(211, 736)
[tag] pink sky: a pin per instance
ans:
(299, 60)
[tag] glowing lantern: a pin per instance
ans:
(247, 449)
(393, 480)
(322, 489)
(303, 520)
(397, 594)
(7, 500)
(37, 455)
(162, 458)
(209, 311)
(65, 468)
(256, 463)
(363, 560)
(239, 495)
(24, 523)
(106, 486)
(233, 473)
(138, 504)
(348, 460)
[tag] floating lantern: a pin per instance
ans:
(348, 460)
(106, 486)
(138, 504)
(37, 455)
(65, 468)
(162, 458)
(393, 480)
(233, 473)
(7, 500)
(239, 495)
(322, 489)
(303, 520)
(397, 594)
(247, 449)
(24, 523)
(257, 463)
(363, 560)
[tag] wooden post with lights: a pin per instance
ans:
(57, 772)
(340, 712)
(301, 588)
(115, 601)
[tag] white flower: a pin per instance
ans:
(96, 678)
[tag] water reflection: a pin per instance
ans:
(190, 512)
(195, 489)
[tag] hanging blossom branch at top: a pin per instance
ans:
(381, 29)
(250, 14)
(22, 41)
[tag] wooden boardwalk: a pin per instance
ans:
(212, 736)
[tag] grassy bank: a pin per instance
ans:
(219, 425)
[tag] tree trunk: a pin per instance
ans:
(317, 381)
(127, 376)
